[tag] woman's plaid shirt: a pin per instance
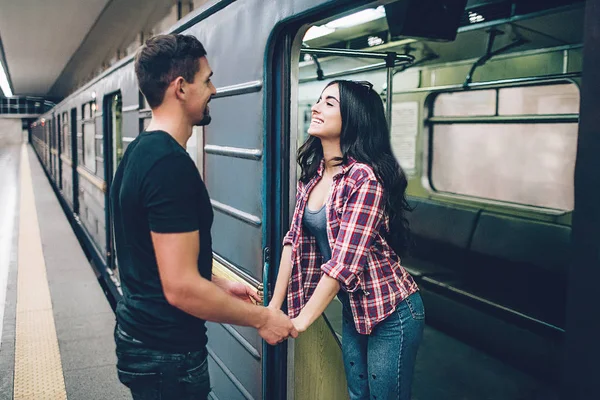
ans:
(361, 259)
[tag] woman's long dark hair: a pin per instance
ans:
(365, 137)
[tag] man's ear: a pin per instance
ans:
(180, 88)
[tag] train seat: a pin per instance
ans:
(442, 222)
(491, 278)
(523, 241)
(513, 265)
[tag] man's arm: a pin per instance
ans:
(184, 288)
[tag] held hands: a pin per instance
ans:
(276, 326)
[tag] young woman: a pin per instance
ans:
(347, 233)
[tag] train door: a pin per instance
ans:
(113, 152)
(75, 159)
(50, 143)
(59, 146)
(54, 149)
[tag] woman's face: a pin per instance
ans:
(326, 122)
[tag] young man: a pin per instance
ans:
(162, 220)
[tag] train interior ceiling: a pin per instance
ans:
(490, 160)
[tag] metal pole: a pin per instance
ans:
(366, 68)
(358, 54)
(390, 64)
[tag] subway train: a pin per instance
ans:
(482, 99)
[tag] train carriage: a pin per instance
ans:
(485, 125)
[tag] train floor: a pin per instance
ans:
(449, 369)
(57, 325)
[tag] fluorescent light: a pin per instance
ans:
(316, 32)
(4, 85)
(374, 41)
(474, 17)
(358, 18)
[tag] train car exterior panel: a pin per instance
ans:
(237, 122)
(244, 365)
(235, 182)
(242, 249)
(222, 378)
(92, 209)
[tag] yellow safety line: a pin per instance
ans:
(38, 368)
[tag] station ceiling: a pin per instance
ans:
(50, 46)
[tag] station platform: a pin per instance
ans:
(57, 325)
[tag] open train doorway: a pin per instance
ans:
(501, 223)
(113, 153)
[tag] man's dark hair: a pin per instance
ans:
(164, 58)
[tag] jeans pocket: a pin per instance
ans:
(197, 381)
(143, 385)
(415, 305)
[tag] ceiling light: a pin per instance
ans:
(4, 85)
(358, 18)
(316, 32)
(375, 41)
(474, 17)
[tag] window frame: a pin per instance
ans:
(91, 120)
(430, 121)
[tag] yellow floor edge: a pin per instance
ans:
(38, 367)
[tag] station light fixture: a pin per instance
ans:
(375, 41)
(316, 32)
(475, 18)
(361, 17)
(358, 18)
(4, 85)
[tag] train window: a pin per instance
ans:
(66, 135)
(551, 99)
(89, 136)
(526, 160)
(461, 104)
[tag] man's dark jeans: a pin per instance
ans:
(158, 375)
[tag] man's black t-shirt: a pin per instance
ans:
(157, 188)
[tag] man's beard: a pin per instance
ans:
(205, 120)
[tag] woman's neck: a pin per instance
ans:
(332, 152)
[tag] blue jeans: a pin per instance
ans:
(158, 375)
(380, 365)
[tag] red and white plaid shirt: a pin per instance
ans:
(361, 259)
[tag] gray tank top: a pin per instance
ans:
(316, 223)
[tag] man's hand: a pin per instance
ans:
(243, 292)
(276, 327)
(237, 289)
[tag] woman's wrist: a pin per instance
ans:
(275, 303)
(301, 322)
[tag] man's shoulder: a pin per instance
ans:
(156, 147)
